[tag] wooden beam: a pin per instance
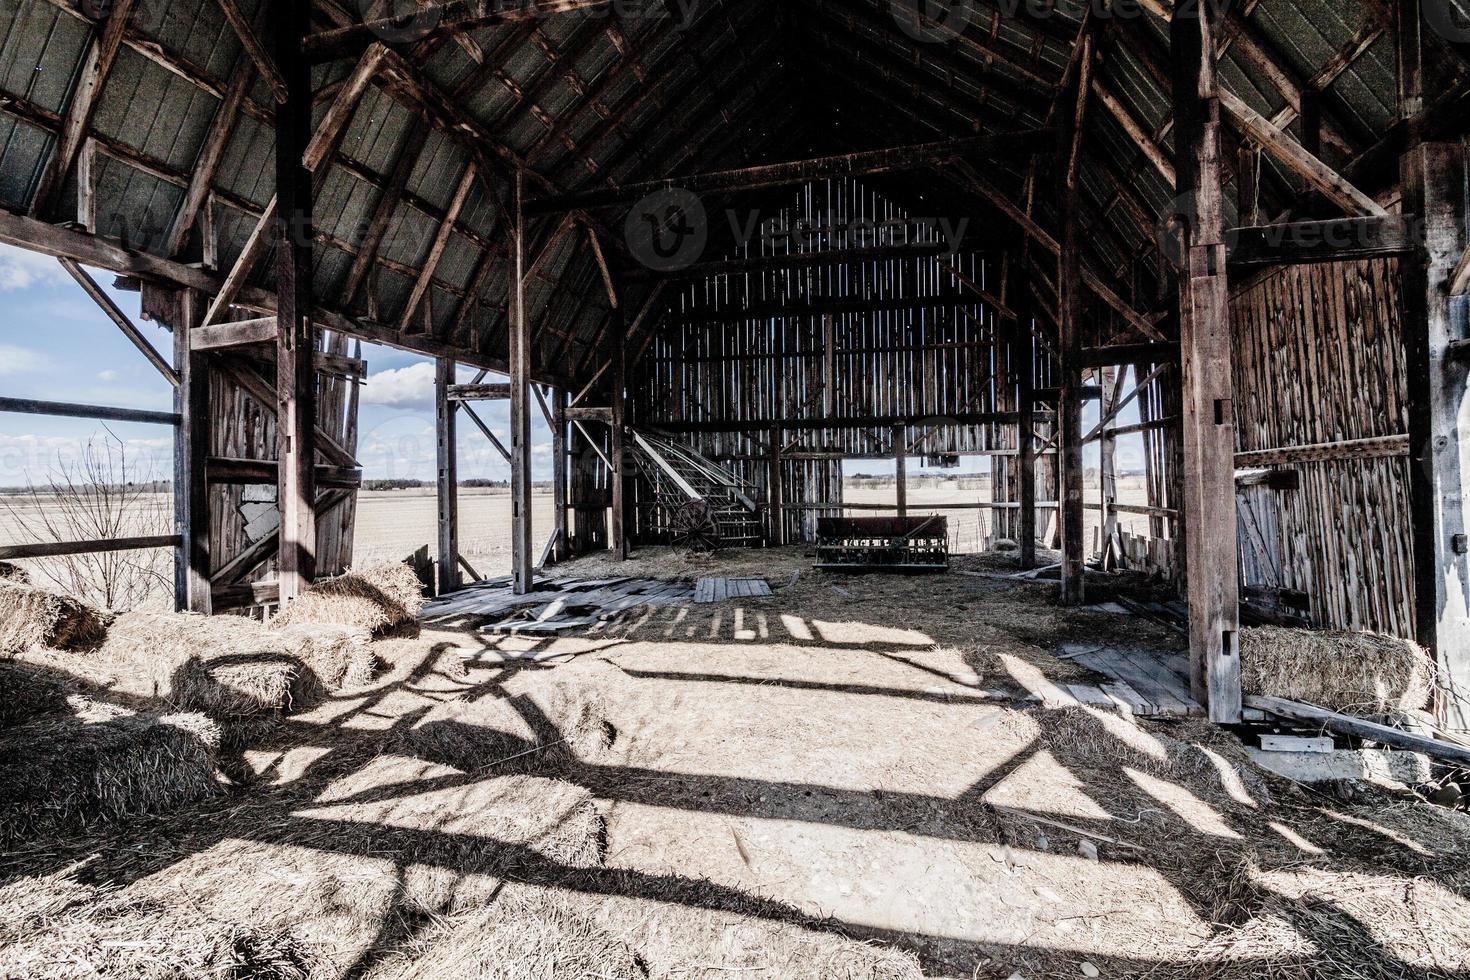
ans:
(801, 171)
(206, 164)
(522, 560)
(438, 19)
(560, 473)
(619, 426)
(1361, 728)
(61, 549)
(447, 481)
(1070, 286)
(1295, 158)
(1314, 242)
(1433, 177)
(479, 392)
(120, 318)
(436, 250)
(86, 93)
(191, 445)
(1375, 448)
(31, 406)
(242, 333)
(255, 49)
(1206, 376)
(296, 338)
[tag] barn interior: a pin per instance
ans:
(723, 250)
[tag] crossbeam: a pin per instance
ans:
(1017, 143)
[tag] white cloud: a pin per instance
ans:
(20, 360)
(405, 388)
(20, 269)
(28, 458)
(107, 375)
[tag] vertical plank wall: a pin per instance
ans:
(1319, 359)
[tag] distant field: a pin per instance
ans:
(394, 524)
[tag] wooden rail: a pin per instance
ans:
(30, 406)
(62, 549)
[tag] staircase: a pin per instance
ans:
(700, 504)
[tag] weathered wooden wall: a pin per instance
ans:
(1319, 360)
(925, 352)
(242, 427)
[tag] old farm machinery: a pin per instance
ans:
(699, 504)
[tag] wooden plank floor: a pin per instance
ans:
(1150, 683)
(553, 605)
(720, 589)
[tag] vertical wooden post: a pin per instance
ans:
(777, 492)
(1208, 415)
(1069, 401)
(1112, 380)
(191, 448)
(447, 446)
(295, 338)
(901, 469)
(1024, 360)
(618, 449)
(1434, 178)
(560, 550)
(522, 560)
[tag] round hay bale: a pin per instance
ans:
(32, 616)
(375, 600)
(1356, 673)
(60, 776)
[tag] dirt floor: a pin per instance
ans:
(844, 780)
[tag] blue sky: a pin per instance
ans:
(56, 345)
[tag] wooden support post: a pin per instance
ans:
(447, 445)
(618, 455)
(1209, 423)
(1434, 176)
(295, 338)
(1024, 360)
(1112, 381)
(191, 445)
(561, 550)
(901, 469)
(522, 559)
(1069, 285)
(777, 490)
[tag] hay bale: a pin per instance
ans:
(27, 693)
(14, 573)
(1359, 673)
(230, 666)
(337, 655)
(31, 616)
(223, 666)
(375, 600)
(62, 776)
